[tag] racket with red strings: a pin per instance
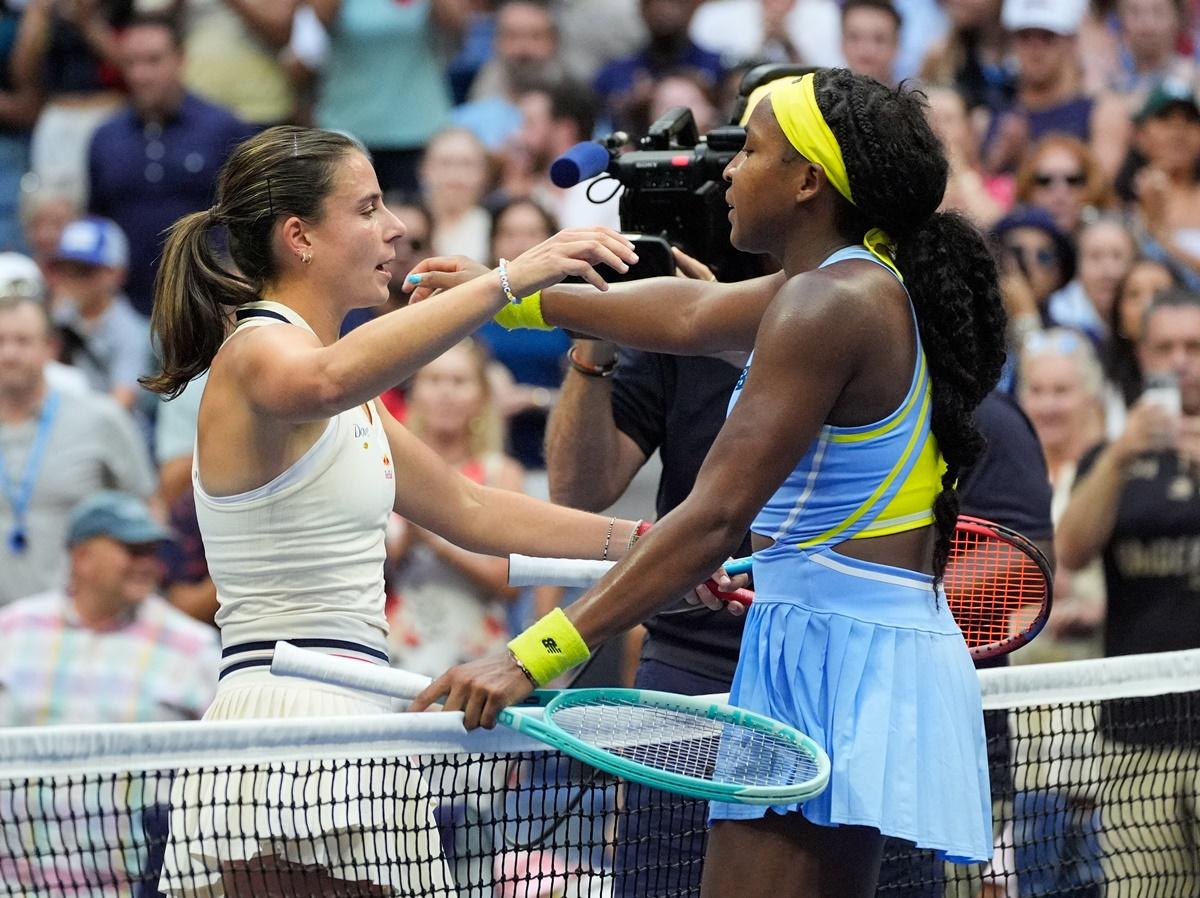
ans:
(998, 584)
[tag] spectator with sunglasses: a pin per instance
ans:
(1062, 176)
(1036, 259)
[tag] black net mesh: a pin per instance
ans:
(1091, 798)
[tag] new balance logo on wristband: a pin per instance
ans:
(551, 645)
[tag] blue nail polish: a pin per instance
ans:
(414, 279)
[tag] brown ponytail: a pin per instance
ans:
(280, 172)
(190, 293)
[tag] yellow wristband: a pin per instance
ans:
(549, 647)
(526, 314)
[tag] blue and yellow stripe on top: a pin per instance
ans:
(856, 482)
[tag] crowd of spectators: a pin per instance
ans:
(1072, 130)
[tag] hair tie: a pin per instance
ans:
(214, 215)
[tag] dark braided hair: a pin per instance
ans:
(897, 172)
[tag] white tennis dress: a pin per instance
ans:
(301, 559)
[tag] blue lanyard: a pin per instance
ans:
(19, 494)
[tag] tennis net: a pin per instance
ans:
(1095, 765)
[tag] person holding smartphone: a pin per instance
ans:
(1137, 505)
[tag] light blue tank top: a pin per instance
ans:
(868, 480)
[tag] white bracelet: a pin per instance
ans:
(505, 285)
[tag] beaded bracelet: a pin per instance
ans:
(638, 529)
(505, 285)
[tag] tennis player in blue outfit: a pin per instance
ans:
(845, 436)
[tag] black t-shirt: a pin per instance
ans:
(676, 405)
(1009, 484)
(1152, 578)
(1152, 559)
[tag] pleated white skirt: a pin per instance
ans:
(365, 821)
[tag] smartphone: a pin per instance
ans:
(1163, 389)
(654, 260)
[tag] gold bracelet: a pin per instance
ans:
(605, 370)
(525, 670)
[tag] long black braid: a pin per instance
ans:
(897, 172)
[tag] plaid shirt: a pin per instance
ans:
(158, 664)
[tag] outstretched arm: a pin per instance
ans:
(489, 520)
(664, 314)
(291, 377)
(672, 315)
(803, 360)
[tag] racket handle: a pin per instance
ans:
(736, 566)
(745, 596)
(290, 661)
(526, 571)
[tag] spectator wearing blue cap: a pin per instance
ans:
(106, 649)
(57, 446)
(102, 335)
(157, 158)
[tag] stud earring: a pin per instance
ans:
(306, 258)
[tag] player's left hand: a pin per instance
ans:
(480, 689)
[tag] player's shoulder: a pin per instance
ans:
(255, 345)
(843, 298)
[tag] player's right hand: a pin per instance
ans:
(573, 252)
(706, 596)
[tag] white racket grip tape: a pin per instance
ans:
(290, 661)
(526, 571)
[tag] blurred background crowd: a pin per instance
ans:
(1072, 130)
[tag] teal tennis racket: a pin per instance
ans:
(689, 746)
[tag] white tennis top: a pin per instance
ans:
(301, 557)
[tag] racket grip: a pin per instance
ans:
(736, 566)
(526, 571)
(290, 661)
(744, 596)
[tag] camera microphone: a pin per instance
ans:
(580, 163)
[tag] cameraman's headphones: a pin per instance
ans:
(757, 82)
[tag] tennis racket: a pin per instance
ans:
(677, 743)
(998, 584)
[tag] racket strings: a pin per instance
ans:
(994, 590)
(687, 744)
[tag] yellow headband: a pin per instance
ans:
(796, 110)
(795, 106)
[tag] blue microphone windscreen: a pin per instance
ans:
(580, 163)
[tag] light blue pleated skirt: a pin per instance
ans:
(862, 658)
